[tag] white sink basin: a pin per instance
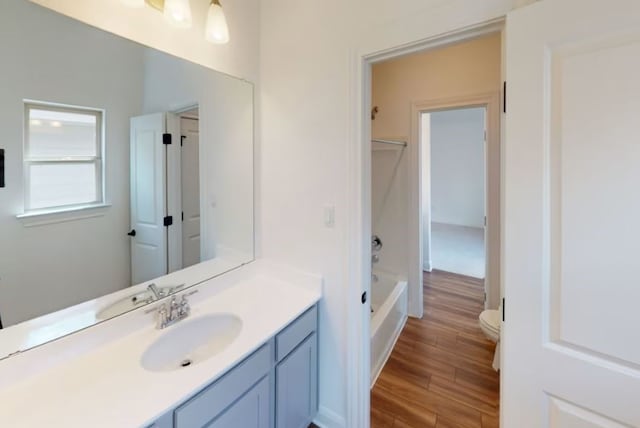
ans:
(191, 341)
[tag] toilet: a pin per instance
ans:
(489, 321)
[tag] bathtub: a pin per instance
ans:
(388, 316)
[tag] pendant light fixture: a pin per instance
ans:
(178, 13)
(216, 30)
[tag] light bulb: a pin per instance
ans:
(133, 3)
(178, 13)
(217, 30)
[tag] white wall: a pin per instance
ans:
(307, 96)
(425, 178)
(309, 101)
(457, 167)
(389, 196)
(36, 277)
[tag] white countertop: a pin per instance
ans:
(107, 387)
(36, 331)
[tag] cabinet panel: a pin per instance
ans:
(205, 406)
(296, 332)
(165, 421)
(250, 411)
(297, 386)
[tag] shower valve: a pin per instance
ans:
(376, 243)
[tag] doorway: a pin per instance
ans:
(165, 224)
(429, 203)
(453, 190)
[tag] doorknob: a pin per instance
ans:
(132, 233)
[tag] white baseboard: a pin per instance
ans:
(329, 419)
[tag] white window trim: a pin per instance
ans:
(77, 212)
(99, 160)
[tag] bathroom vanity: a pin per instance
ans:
(276, 384)
(266, 376)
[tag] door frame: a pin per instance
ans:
(490, 101)
(173, 183)
(358, 272)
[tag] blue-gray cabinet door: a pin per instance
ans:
(165, 421)
(252, 410)
(297, 386)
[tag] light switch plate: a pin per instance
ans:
(329, 216)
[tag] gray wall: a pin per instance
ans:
(48, 57)
(457, 167)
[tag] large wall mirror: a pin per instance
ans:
(122, 164)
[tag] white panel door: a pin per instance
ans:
(148, 198)
(190, 191)
(571, 339)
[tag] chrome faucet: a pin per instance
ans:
(157, 293)
(173, 312)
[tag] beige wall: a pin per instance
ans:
(460, 70)
(466, 68)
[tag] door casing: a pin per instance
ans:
(359, 212)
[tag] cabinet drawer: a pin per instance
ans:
(213, 400)
(296, 332)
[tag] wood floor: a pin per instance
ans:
(439, 374)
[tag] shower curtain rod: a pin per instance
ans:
(395, 143)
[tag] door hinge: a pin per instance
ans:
(182, 215)
(168, 221)
(1, 170)
(363, 298)
(182, 137)
(504, 96)
(503, 309)
(166, 139)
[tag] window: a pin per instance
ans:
(63, 161)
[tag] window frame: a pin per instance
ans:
(98, 160)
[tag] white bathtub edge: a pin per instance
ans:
(388, 351)
(381, 350)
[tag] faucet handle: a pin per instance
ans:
(174, 303)
(162, 316)
(185, 309)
